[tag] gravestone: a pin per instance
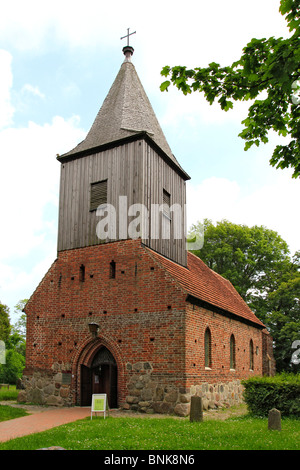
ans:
(274, 420)
(196, 413)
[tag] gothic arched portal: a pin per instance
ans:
(100, 377)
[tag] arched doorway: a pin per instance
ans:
(100, 377)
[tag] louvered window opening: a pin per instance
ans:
(166, 204)
(98, 194)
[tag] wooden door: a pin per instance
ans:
(105, 381)
(86, 386)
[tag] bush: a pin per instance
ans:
(10, 394)
(12, 370)
(281, 392)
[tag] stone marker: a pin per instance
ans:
(196, 413)
(274, 420)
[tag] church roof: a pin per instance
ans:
(201, 282)
(126, 112)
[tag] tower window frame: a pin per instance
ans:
(98, 194)
(166, 215)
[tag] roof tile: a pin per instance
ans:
(199, 281)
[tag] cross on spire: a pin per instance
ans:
(127, 36)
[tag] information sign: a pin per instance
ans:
(99, 404)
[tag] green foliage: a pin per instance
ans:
(283, 319)
(251, 258)
(281, 392)
(4, 323)
(12, 370)
(20, 325)
(14, 339)
(266, 65)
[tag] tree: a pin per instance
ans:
(20, 325)
(257, 262)
(12, 370)
(267, 72)
(5, 327)
(283, 320)
(14, 339)
(253, 259)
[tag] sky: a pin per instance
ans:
(58, 60)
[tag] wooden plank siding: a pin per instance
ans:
(134, 170)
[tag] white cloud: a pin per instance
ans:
(166, 29)
(194, 109)
(34, 90)
(30, 179)
(270, 205)
(28, 193)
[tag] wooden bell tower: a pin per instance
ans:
(126, 167)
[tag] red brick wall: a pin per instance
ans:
(155, 336)
(140, 313)
(221, 329)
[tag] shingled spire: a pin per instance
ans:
(126, 111)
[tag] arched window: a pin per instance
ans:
(112, 270)
(232, 352)
(207, 347)
(82, 273)
(251, 350)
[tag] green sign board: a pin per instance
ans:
(99, 404)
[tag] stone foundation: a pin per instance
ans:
(146, 394)
(51, 388)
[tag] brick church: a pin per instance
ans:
(126, 309)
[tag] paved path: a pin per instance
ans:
(40, 420)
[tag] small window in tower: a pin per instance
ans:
(98, 194)
(166, 222)
(112, 270)
(166, 203)
(82, 273)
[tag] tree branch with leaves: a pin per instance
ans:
(268, 72)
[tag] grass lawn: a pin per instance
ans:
(135, 433)
(8, 412)
(9, 394)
